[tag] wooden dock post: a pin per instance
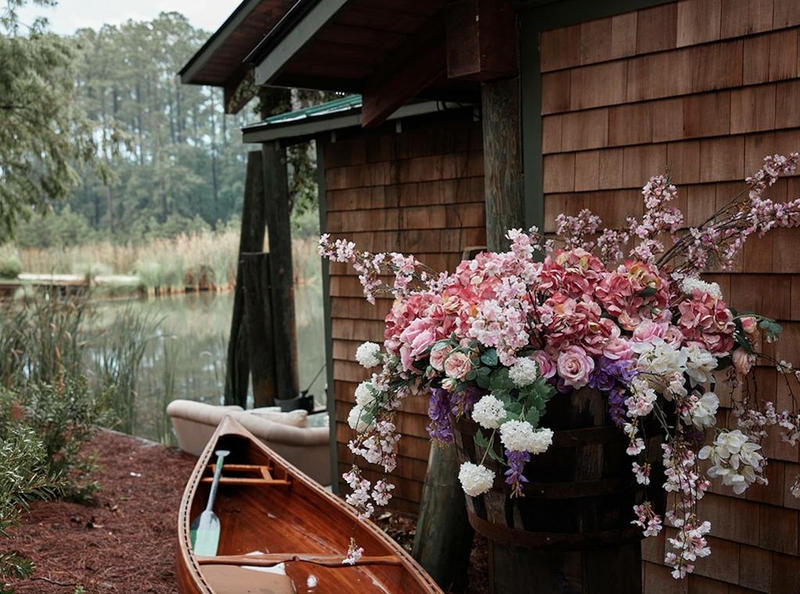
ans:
(251, 240)
(276, 203)
(258, 316)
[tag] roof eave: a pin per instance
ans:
(189, 73)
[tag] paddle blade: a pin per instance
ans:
(204, 533)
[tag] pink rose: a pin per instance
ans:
(742, 361)
(575, 366)
(647, 330)
(547, 367)
(617, 349)
(439, 354)
(749, 324)
(457, 365)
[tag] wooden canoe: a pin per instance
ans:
(281, 532)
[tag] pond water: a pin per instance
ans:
(186, 355)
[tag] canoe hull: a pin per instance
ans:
(266, 506)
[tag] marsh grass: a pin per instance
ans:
(116, 354)
(205, 259)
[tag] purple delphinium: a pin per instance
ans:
(440, 413)
(516, 466)
(612, 378)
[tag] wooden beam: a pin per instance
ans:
(235, 97)
(405, 73)
(481, 40)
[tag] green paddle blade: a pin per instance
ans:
(205, 534)
(204, 530)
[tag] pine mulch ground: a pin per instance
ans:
(125, 540)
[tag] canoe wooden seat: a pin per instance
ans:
(237, 580)
(246, 474)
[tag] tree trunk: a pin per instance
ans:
(443, 541)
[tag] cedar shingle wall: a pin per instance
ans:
(419, 191)
(704, 89)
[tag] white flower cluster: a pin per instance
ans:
(489, 412)
(524, 372)
(689, 285)
(704, 410)
(735, 458)
(520, 436)
(368, 355)
(358, 419)
(475, 479)
(365, 394)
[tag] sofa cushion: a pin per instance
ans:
(294, 418)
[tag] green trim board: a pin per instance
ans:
(304, 124)
(536, 16)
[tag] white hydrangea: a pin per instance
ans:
(489, 412)
(524, 372)
(520, 436)
(689, 285)
(475, 480)
(358, 419)
(365, 394)
(704, 411)
(368, 355)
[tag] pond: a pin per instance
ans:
(186, 355)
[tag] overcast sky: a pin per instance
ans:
(71, 15)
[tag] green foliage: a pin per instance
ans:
(24, 476)
(10, 265)
(43, 135)
(63, 417)
(62, 230)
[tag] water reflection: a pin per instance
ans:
(186, 357)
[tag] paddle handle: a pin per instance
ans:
(217, 474)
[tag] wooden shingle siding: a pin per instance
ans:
(702, 90)
(419, 191)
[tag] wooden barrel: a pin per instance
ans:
(575, 518)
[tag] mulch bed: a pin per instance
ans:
(125, 540)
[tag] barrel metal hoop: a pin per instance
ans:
(553, 540)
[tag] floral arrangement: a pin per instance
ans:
(622, 311)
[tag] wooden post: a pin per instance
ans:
(443, 540)
(502, 158)
(258, 308)
(276, 201)
(251, 240)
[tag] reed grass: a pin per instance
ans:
(205, 259)
(116, 356)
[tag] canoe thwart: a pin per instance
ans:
(247, 474)
(270, 559)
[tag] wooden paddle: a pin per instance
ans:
(272, 559)
(204, 530)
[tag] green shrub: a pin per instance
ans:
(63, 417)
(24, 476)
(10, 266)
